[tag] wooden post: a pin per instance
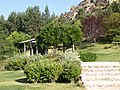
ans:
(36, 50)
(24, 49)
(73, 47)
(46, 49)
(31, 49)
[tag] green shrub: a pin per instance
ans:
(16, 64)
(2, 65)
(55, 55)
(71, 56)
(71, 70)
(84, 45)
(88, 56)
(3, 57)
(43, 71)
(50, 71)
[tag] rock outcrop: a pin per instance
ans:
(89, 6)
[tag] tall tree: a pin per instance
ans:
(12, 20)
(112, 24)
(5, 47)
(46, 16)
(93, 28)
(114, 8)
(57, 33)
(47, 12)
(32, 20)
(15, 37)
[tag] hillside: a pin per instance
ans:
(89, 6)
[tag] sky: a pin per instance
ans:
(56, 6)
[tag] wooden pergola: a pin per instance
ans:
(30, 41)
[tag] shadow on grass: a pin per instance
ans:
(22, 80)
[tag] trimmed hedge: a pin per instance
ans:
(88, 56)
(43, 71)
(17, 64)
(71, 70)
(50, 71)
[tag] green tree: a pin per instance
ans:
(32, 21)
(47, 12)
(112, 24)
(16, 37)
(56, 33)
(71, 33)
(12, 22)
(48, 36)
(46, 17)
(93, 28)
(6, 48)
(80, 14)
(114, 8)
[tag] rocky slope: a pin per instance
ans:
(88, 6)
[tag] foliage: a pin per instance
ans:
(50, 71)
(84, 44)
(46, 18)
(60, 56)
(43, 71)
(56, 56)
(19, 83)
(16, 37)
(71, 56)
(18, 62)
(112, 21)
(93, 28)
(12, 22)
(27, 22)
(71, 70)
(88, 56)
(112, 24)
(72, 34)
(32, 20)
(2, 65)
(116, 39)
(56, 33)
(6, 49)
(114, 8)
(81, 14)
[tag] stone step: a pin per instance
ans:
(105, 73)
(103, 82)
(100, 70)
(103, 88)
(97, 67)
(116, 73)
(100, 63)
(102, 78)
(101, 75)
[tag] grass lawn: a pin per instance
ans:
(105, 52)
(15, 80)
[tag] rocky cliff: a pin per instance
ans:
(89, 6)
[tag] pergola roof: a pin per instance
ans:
(30, 40)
